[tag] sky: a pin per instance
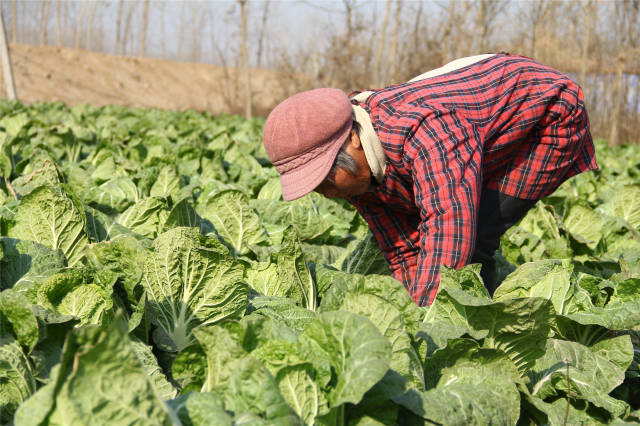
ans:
(174, 24)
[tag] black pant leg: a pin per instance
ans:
(497, 213)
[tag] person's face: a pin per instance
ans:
(343, 184)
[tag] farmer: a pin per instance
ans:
(441, 166)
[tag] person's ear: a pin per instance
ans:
(354, 139)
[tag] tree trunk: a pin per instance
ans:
(10, 88)
(628, 16)
(143, 33)
(588, 30)
(80, 19)
(263, 26)
(194, 34)
(414, 62)
(349, 12)
(617, 99)
(127, 27)
(488, 13)
(182, 52)
(623, 118)
(90, 25)
(245, 56)
(635, 130)
(379, 49)
(67, 24)
(101, 47)
(59, 22)
(537, 18)
(447, 32)
(393, 56)
(345, 57)
(118, 27)
(201, 23)
(480, 26)
(44, 20)
(163, 30)
(14, 21)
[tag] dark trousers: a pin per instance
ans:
(497, 213)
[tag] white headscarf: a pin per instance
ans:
(369, 139)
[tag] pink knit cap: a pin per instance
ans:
(303, 135)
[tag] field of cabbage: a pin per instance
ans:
(150, 273)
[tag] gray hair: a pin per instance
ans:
(343, 160)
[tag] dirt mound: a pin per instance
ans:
(76, 76)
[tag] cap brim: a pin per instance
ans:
(304, 179)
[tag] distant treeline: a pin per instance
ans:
(357, 44)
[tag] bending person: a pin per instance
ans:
(441, 166)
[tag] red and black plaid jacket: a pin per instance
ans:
(505, 123)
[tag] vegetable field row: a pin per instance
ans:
(150, 273)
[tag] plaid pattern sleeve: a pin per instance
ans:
(396, 232)
(505, 123)
(447, 179)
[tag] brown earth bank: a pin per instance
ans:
(76, 76)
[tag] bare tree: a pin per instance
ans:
(349, 5)
(127, 28)
(102, 6)
(380, 47)
(486, 14)
(348, 43)
(44, 20)
(143, 32)
(89, 25)
(537, 17)
(59, 22)
(182, 28)
(200, 51)
(453, 29)
(417, 37)
(118, 28)
(245, 55)
(195, 48)
(228, 85)
(393, 55)
(628, 17)
(589, 27)
(6, 61)
(163, 30)
(80, 19)
(14, 21)
(596, 41)
(263, 26)
(635, 122)
(67, 24)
